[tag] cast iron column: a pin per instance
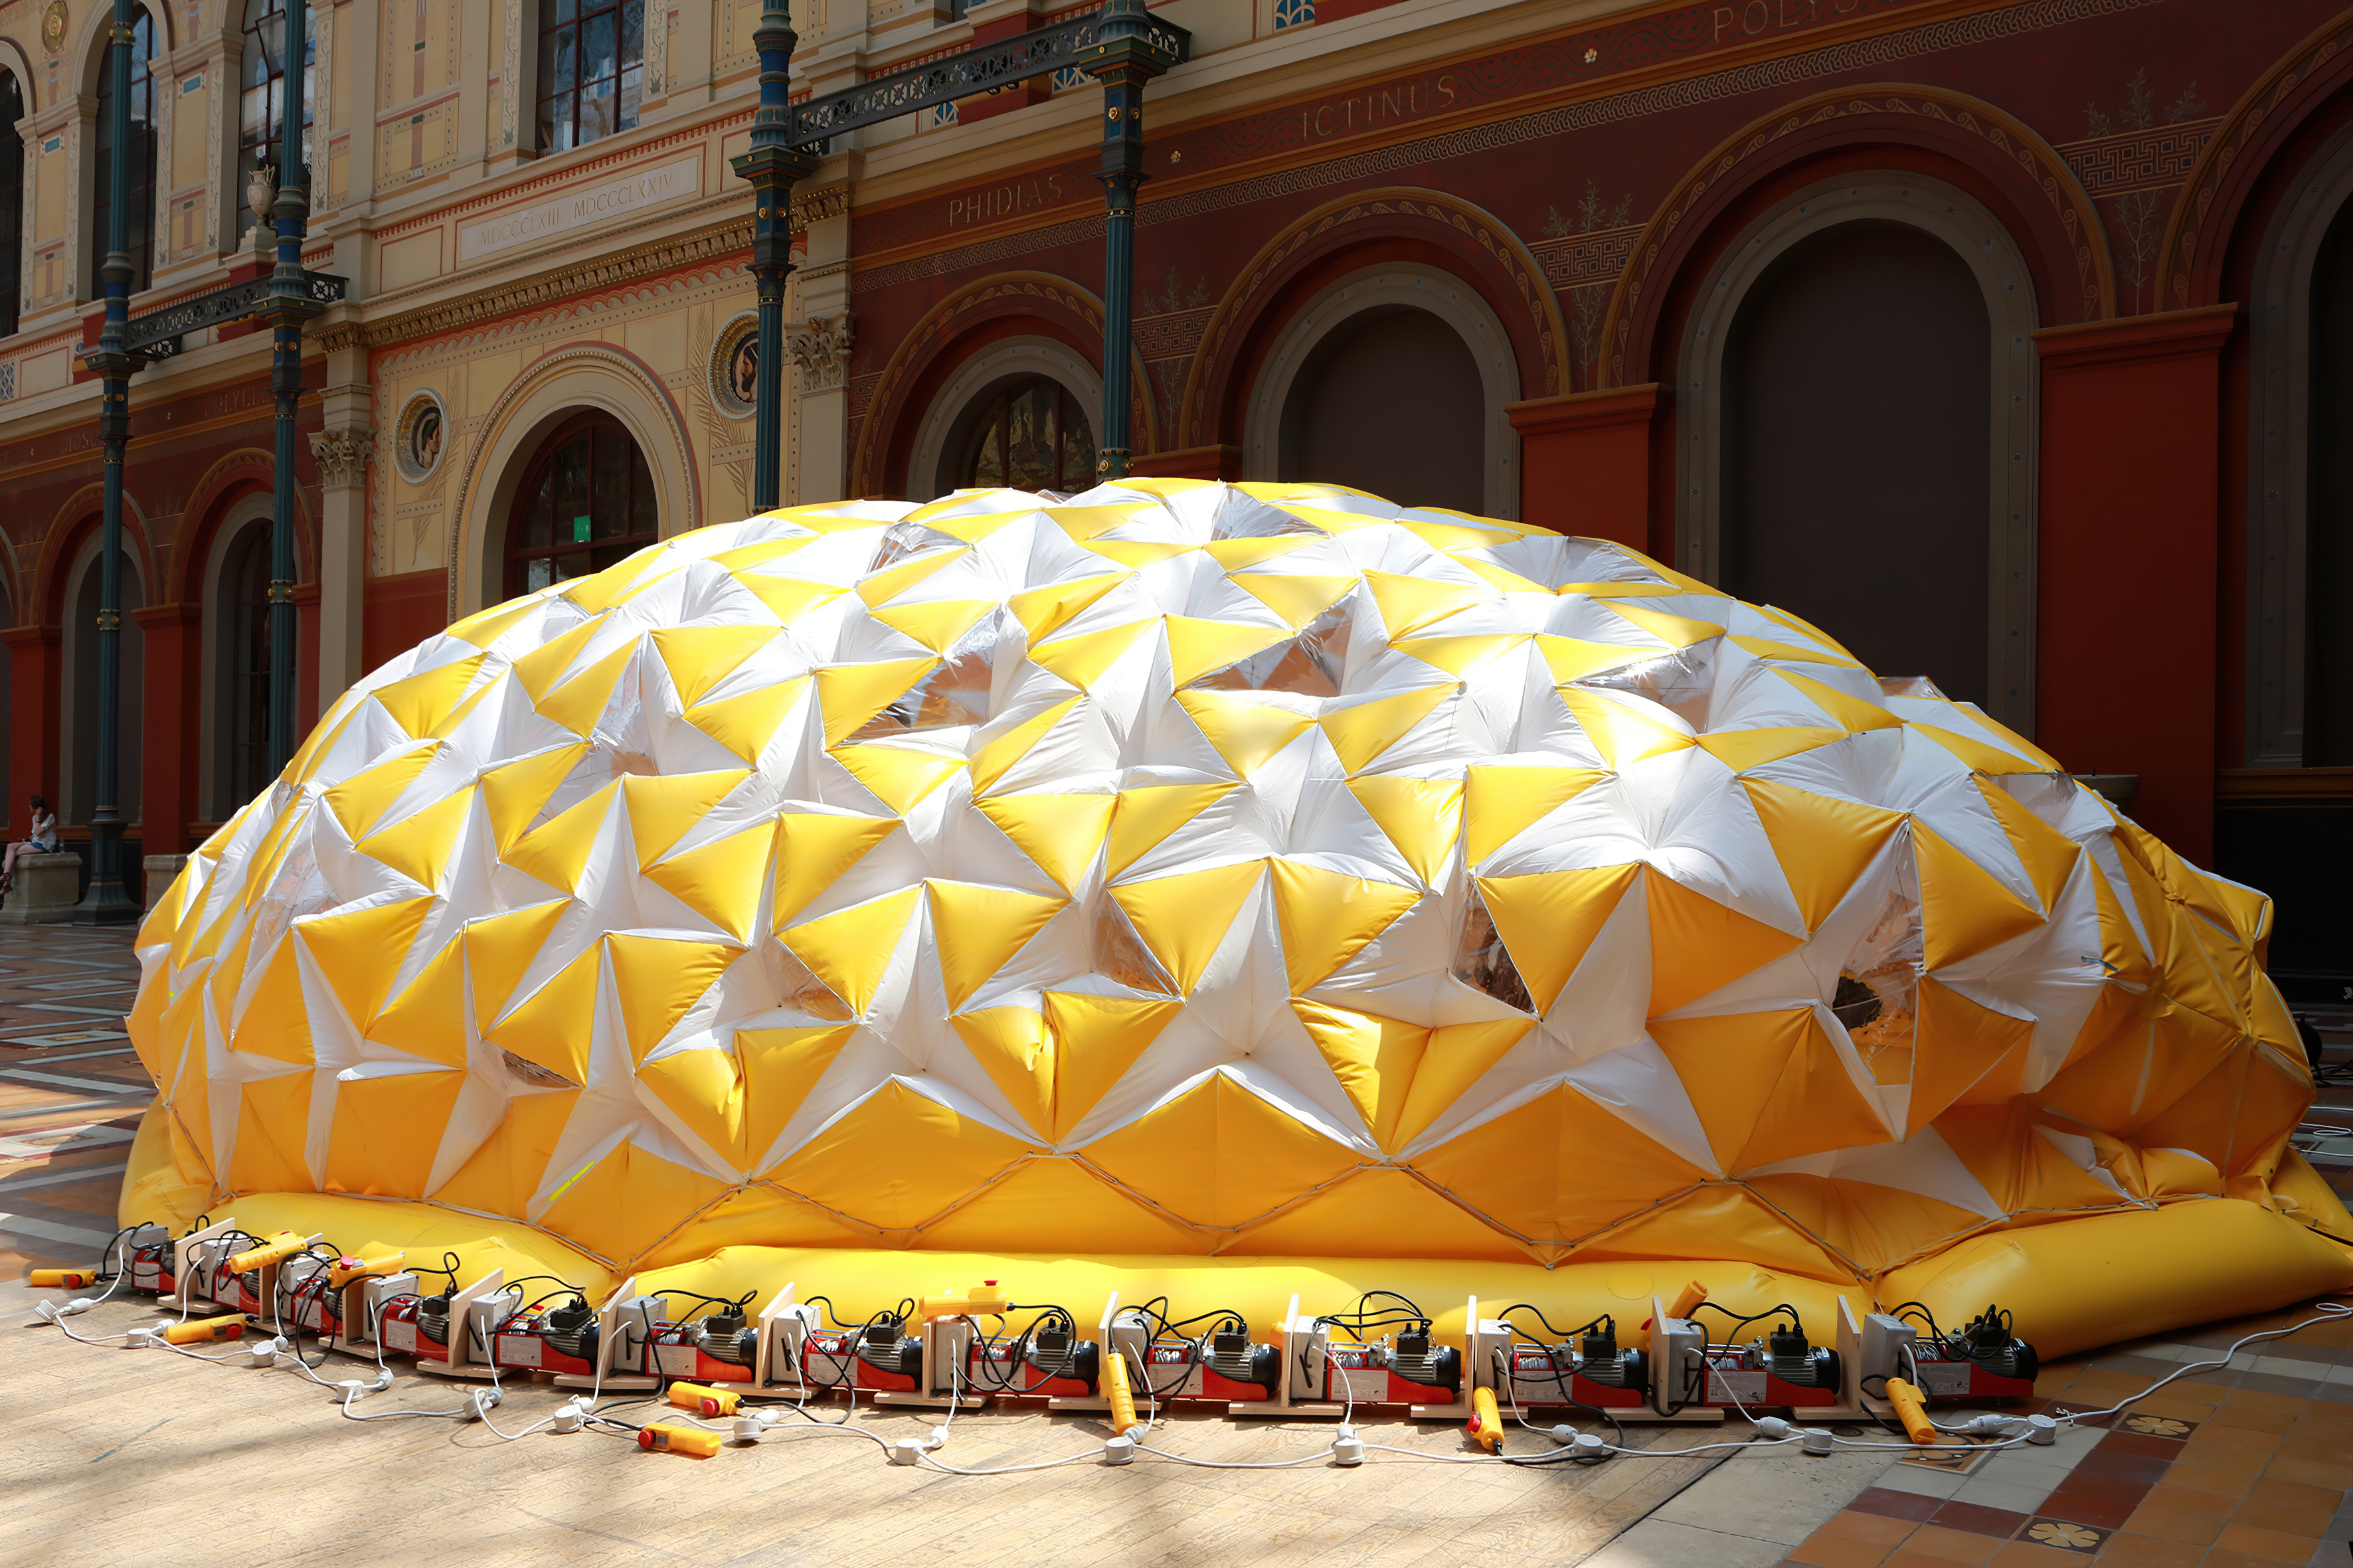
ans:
(772, 165)
(1124, 58)
(106, 903)
(290, 304)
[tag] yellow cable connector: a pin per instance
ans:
(62, 1278)
(1116, 1389)
(1688, 1302)
(343, 1271)
(667, 1439)
(1486, 1424)
(704, 1399)
(287, 1245)
(197, 1329)
(1912, 1409)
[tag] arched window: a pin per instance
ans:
(140, 155)
(588, 501)
(1029, 434)
(243, 706)
(261, 106)
(12, 202)
(1391, 402)
(592, 57)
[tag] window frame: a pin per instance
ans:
(518, 555)
(557, 110)
(999, 420)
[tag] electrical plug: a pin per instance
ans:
(750, 1426)
(1993, 1427)
(481, 1402)
(1347, 1448)
(2042, 1431)
(383, 1381)
(1772, 1428)
(573, 1415)
(1816, 1441)
(1119, 1451)
(270, 1352)
(938, 1439)
(907, 1451)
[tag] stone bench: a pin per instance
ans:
(47, 888)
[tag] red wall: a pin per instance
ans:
(2125, 655)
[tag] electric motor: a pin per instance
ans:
(570, 1330)
(1235, 1358)
(1790, 1359)
(433, 1319)
(723, 1337)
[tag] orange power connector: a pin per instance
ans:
(1486, 1424)
(1912, 1409)
(1116, 1389)
(63, 1279)
(704, 1399)
(195, 1331)
(667, 1439)
(343, 1271)
(287, 1245)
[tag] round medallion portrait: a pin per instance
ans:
(417, 439)
(735, 366)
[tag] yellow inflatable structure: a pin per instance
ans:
(1226, 883)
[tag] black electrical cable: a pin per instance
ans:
(1797, 1324)
(1604, 1322)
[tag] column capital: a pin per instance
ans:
(343, 457)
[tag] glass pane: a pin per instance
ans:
(538, 573)
(1078, 447)
(571, 475)
(556, 11)
(632, 82)
(644, 518)
(567, 50)
(611, 492)
(1029, 437)
(633, 33)
(546, 124)
(538, 524)
(596, 108)
(985, 467)
(573, 566)
(597, 60)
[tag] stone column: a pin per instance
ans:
(821, 342)
(343, 449)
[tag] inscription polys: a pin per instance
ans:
(1686, 33)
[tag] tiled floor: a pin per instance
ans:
(70, 1091)
(2221, 1469)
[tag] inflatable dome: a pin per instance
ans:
(1189, 870)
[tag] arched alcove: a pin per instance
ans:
(1856, 396)
(586, 378)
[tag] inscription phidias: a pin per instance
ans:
(579, 208)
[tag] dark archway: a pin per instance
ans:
(1390, 402)
(2328, 519)
(1856, 392)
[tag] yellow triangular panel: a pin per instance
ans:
(1328, 917)
(1361, 731)
(1501, 803)
(1421, 816)
(1548, 919)
(850, 950)
(1059, 832)
(1182, 918)
(979, 929)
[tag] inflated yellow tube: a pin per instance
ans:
(2102, 1278)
